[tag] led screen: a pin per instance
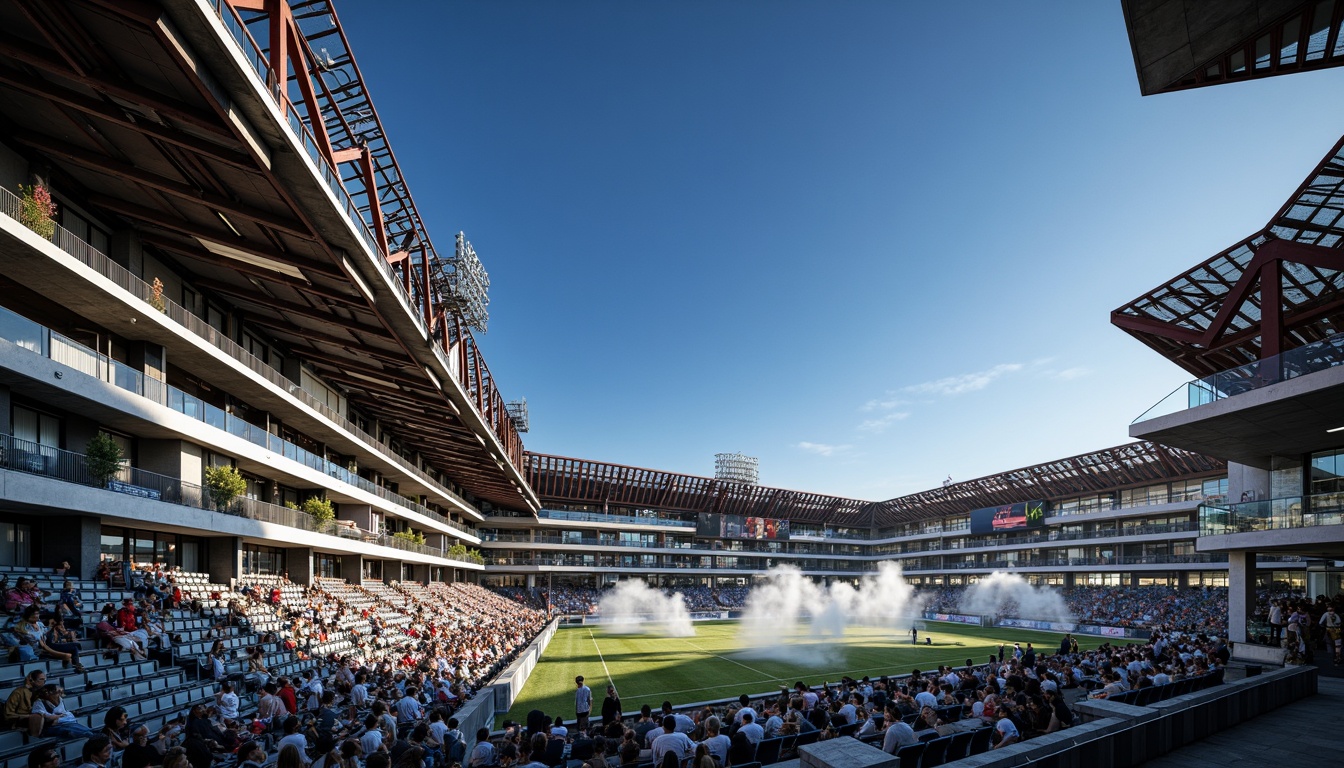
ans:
(1009, 517)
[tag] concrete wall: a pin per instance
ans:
(299, 563)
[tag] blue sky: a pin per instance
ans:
(874, 244)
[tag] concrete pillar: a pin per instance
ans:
(299, 563)
(1240, 593)
(437, 541)
(224, 558)
(420, 573)
(76, 539)
(391, 571)
(1246, 482)
(361, 515)
(352, 567)
(173, 458)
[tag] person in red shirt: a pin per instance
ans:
(287, 695)
(126, 616)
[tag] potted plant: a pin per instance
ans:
(320, 509)
(102, 458)
(37, 209)
(224, 484)
(156, 295)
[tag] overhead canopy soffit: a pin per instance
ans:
(103, 99)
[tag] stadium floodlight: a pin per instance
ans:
(517, 410)
(464, 284)
(736, 468)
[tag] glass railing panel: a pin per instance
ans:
(1311, 358)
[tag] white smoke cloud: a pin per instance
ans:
(632, 607)
(787, 613)
(1007, 594)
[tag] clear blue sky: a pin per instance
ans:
(872, 243)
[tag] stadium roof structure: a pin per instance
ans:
(241, 143)
(558, 478)
(1276, 290)
(1182, 44)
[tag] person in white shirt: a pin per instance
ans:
(672, 740)
(716, 742)
(558, 729)
(749, 728)
(227, 701)
(483, 753)
(372, 739)
(745, 701)
(295, 738)
(1007, 731)
(926, 699)
(898, 733)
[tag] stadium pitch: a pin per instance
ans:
(713, 664)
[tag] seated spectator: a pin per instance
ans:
(57, 721)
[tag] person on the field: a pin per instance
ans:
(583, 704)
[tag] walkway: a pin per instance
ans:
(1276, 738)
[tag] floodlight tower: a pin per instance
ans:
(464, 284)
(736, 468)
(517, 410)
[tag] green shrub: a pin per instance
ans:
(224, 484)
(321, 509)
(102, 458)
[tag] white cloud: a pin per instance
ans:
(885, 404)
(966, 382)
(821, 449)
(880, 424)
(1069, 374)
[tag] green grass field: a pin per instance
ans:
(713, 664)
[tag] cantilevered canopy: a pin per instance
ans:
(1276, 290)
(561, 479)
(1180, 44)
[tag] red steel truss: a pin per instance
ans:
(567, 480)
(1274, 291)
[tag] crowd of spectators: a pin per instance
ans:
(1178, 608)
(1018, 692)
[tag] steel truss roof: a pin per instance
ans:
(569, 480)
(1277, 289)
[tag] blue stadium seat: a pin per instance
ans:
(911, 754)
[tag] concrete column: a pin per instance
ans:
(437, 541)
(299, 563)
(76, 539)
(224, 558)
(173, 458)
(391, 571)
(352, 567)
(420, 573)
(1252, 483)
(1240, 593)
(360, 514)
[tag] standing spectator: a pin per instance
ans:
(583, 704)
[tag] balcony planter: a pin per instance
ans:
(224, 484)
(102, 459)
(36, 210)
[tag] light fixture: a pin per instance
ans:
(228, 223)
(1336, 429)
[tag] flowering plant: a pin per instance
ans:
(36, 209)
(156, 295)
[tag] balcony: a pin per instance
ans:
(1271, 407)
(99, 262)
(31, 458)
(40, 340)
(1272, 514)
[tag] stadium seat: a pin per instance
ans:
(849, 729)
(911, 754)
(935, 752)
(980, 741)
(768, 750)
(804, 739)
(960, 746)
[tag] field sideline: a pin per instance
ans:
(648, 669)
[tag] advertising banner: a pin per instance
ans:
(741, 527)
(1009, 517)
(959, 618)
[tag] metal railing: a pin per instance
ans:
(1310, 358)
(122, 277)
(488, 402)
(48, 343)
(1272, 514)
(34, 458)
(601, 517)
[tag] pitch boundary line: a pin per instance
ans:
(610, 680)
(725, 658)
